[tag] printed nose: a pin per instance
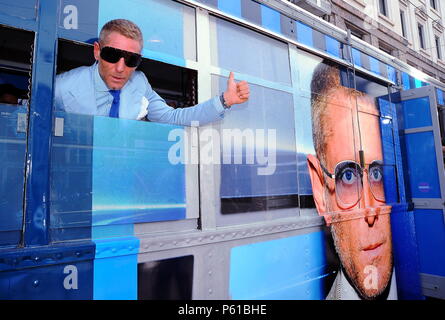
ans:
(371, 211)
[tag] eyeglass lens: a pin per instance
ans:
(349, 181)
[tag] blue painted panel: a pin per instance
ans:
(392, 73)
(417, 113)
(374, 65)
(418, 83)
(62, 271)
(288, 268)
(405, 81)
(332, 46)
(71, 179)
(78, 20)
(304, 34)
(270, 18)
(405, 253)
(422, 165)
(37, 193)
(12, 163)
(133, 178)
(440, 97)
(232, 7)
(115, 269)
(47, 283)
(430, 231)
(357, 57)
(19, 13)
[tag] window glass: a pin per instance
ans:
(168, 27)
(242, 50)
(258, 152)
(15, 79)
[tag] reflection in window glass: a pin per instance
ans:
(242, 50)
(167, 26)
(15, 70)
(259, 169)
(109, 172)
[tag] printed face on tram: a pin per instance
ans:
(351, 198)
(115, 75)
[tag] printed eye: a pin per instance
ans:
(348, 176)
(376, 174)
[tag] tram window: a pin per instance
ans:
(259, 162)
(15, 65)
(176, 85)
(169, 279)
(441, 113)
(15, 73)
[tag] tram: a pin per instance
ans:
(98, 208)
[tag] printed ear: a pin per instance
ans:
(317, 181)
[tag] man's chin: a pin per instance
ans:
(370, 288)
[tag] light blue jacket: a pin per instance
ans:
(83, 91)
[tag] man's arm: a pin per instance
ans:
(203, 113)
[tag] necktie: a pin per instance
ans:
(114, 111)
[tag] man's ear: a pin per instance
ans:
(96, 50)
(317, 181)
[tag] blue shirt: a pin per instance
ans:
(83, 91)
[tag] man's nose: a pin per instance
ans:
(120, 65)
(371, 211)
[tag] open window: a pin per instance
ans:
(15, 78)
(176, 85)
(110, 173)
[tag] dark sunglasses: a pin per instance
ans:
(113, 55)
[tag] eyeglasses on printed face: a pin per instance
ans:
(348, 177)
(113, 55)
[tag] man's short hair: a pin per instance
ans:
(326, 80)
(123, 27)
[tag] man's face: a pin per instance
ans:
(116, 75)
(361, 232)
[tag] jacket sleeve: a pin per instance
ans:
(203, 113)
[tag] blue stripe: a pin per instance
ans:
(232, 7)
(304, 34)
(332, 46)
(296, 272)
(270, 18)
(357, 57)
(440, 99)
(418, 83)
(374, 65)
(405, 81)
(392, 73)
(115, 269)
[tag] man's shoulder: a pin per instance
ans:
(76, 74)
(138, 81)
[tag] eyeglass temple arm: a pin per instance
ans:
(330, 175)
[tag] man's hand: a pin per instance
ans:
(236, 92)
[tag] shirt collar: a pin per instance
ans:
(99, 84)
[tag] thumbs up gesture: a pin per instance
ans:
(236, 92)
